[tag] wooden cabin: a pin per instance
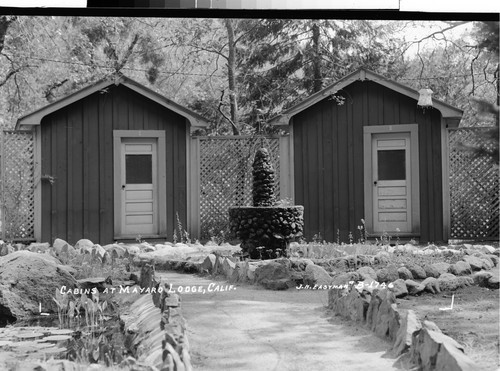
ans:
(363, 149)
(111, 163)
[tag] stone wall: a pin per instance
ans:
(420, 343)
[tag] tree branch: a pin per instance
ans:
(119, 66)
(452, 26)
(11, 73)
(48, 92)
(233, 125)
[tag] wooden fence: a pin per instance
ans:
(221, 177)
(474, 189)
(17, 185)
(225, 176)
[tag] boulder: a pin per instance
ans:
(460, 268)
(432, 350)
(486, 249)
(404, 273)
(235, 274)
(417, 271)
(316, 275)
(242, 271)
(382, 257)
(414, 288)
(274, 275)
(133, 249)
(367, 273)
(119, 250)
(298, 277)
(494, 283)
(39, 246)
(228, 267)
(300, 263)
(431, 285)
(440, 268)
(98, 250)
(387, 322)
(6, 249)
(409, 325)
(59, 244)
(449, 282)
(209, 263)
(493, 258)
(476, 263)
(28, 279)
(271, 271)
(379, 296)
(147, 278)
(84, 246)
(251, 272)
(399, 288)
(488, 262)
(481, 278)
(388, 274)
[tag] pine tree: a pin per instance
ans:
(263, 179)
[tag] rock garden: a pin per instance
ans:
(92, 306)
(55, 299)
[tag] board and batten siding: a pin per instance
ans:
(77, 150)
(329, 160)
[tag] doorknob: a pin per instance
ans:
(374, 182)
(123, 186)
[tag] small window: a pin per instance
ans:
(392, 164)
(139, 169)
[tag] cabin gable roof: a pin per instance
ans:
(283, 119)
(34, 118)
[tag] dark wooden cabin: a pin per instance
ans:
(112, 162)
(363, 149)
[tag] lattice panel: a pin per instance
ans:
(226, 177)
(474, 190)
(17, 178)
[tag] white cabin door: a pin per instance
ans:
(392, 183)
(139, 186)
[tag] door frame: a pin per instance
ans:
(368, 133)
(159, 136)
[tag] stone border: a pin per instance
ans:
(157, 337)
(421, 343)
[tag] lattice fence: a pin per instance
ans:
(474, 190)
(226, 177)
(17, 185)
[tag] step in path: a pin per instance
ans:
(249, 328)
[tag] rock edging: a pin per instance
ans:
(421, 343)
(156, 331)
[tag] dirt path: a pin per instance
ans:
(248, 328)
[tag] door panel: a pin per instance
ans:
(391, 183)
(139, 186)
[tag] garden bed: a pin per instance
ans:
(473, 322)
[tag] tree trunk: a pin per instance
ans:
(317, 83)
(231, 75)
(5, 21)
